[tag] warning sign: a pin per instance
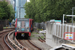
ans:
(69, 35)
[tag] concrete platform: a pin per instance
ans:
(41, 45)
(69, 45)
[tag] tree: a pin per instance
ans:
(12, 12)
(44, 10)
(6, 11)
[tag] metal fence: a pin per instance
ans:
(40, 25)
(60, 29)
(55, 32)
(3, 23)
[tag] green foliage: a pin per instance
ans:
(44, 10)
(42, 37)
(12, 12)
(6, 11)
(34, 33)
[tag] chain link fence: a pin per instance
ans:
(3, 23)
(41, 25)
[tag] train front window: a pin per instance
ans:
(18, 24)
(27, 24)
(23, 25)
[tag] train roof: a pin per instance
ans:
(23, 19)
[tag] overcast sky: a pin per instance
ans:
(28, 0)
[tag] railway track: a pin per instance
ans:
(7, 42)
(40, 39)
(3, 33)
(9, 28)
(29, 45)
(14, 43)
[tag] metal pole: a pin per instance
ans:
(19, 12)
(63, 25)
(19, 8)
(72, 16)
(63, 18)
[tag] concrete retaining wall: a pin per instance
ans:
(55, 32)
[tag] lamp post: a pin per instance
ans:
(72, 13)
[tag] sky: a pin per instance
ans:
(28, 0)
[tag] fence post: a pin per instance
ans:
(55, 29)
(69, 28)
(66, 29)
(73, 31)
(60, 30)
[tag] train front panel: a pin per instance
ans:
(22, 28)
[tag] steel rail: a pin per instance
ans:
(12, 42)
(6, 42)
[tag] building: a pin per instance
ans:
(19, 8)
(6, 1)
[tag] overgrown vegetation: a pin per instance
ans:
(34, 33)
(42, 37)
(44, 10)
(6, 11)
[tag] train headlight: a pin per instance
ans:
(27, 29)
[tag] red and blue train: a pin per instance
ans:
(23, 27)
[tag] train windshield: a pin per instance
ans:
(23, 25)
(18, 24)
(27, 24)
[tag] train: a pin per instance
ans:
(23, 28)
